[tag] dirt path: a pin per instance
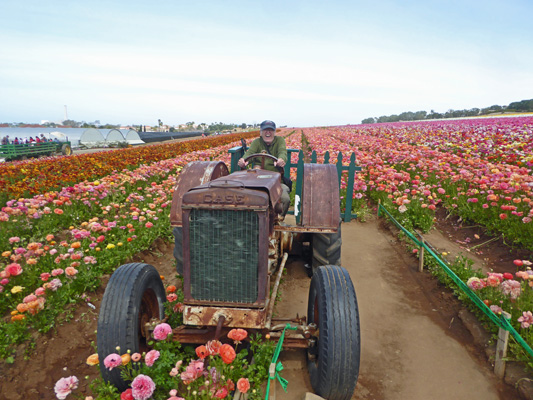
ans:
(411, 348)
(413, 345)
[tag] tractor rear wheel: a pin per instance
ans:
(333, 360)
(134, 295)
(326, 248)
(66, 150)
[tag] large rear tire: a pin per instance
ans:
(326, 248)
(333, 362)
(178, 248)
(134, 295)
(66, 150)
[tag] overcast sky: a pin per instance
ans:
(299, 63)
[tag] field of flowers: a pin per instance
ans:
(55, 246)
(66, 221)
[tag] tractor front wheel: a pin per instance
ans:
(333, 359)
(134, 295)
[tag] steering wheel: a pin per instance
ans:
(263, 157)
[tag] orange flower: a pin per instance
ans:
(93, 359)
(213, 346)
(237, 335)
(243, 385)
(171, 289)
(18, 317)
(75, 245)
(227, 353)
(31, 261)
(202, 352)
(135, 357)
(126, 358)
(22, 307)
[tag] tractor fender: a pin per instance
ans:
(194, 174)
(320, 200)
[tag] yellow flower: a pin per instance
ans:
(93, 359)
(110, 246)
(16, 289)
(120, 244)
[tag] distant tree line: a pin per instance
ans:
(517, 106)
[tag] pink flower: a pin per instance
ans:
(142, 387)
(14, 239)
(57, 271)
(151, 357)
(64, 387)
(14, 269)
(475, 283)
(112, 361)
(161, 331)
(45, 276)
(511, 288)
(526, 320)
(54, 284)
(193, 371)
(71, 271)
(148, 224)
(39, 291)
(29, 298)
(496, 309)
(172, 297)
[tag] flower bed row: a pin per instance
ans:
(412, 179)
(27, 178)
(92, 230)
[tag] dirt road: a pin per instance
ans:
(408, 349)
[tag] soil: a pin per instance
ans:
(415, 344)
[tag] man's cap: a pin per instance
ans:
(268, 125)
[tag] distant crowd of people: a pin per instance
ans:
(37, 139)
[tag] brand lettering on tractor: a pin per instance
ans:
(229, 199)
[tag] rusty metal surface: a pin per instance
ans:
(233, 317)
(303, 229)
(253, 179)
(194, 174)
(320, 196)
(226, 195)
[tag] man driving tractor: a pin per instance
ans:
(269, 143)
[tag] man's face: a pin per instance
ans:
(268, 135)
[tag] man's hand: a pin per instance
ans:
(242, 163)
(280, 163)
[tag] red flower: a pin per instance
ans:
(507, 275)
(221, 393)
(243, 385)
(127, 395)
(237, 335)
(503, 216)
(227, 353)
(518, 263)
(202, 352)
(171, 289)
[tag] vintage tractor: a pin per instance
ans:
(231, 249)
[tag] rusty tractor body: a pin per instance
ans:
(231, 248)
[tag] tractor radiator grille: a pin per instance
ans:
(224, 248)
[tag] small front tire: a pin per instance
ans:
(134, 295)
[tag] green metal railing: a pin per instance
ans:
(352, 168)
